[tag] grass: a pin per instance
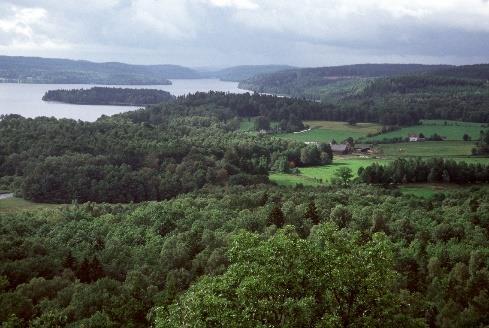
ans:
(18, 204)
(290, 180)
(317, 175)
(247, 126)
(446, 149)
(327, 172)
(325, 131)
(453, 130)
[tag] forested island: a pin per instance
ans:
(109, 96)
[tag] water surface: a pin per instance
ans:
(26, 99)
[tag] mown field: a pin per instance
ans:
(445, 149)
(326, 131)
(452, 130)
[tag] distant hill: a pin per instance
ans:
(305, 81)
(109, 96)
(49, 70)
(244, 72)
(479, 71)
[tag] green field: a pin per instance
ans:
(325, 131)
(452, 130)
(19, 204)
(313, 176)
(445, 149)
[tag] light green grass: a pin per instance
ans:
(328, 171)
(290, 180)
(326, 131)
(18, 204)
(246, 126)
(445, 149)
(317, 175)
(453, 130)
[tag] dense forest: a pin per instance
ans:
(149, 154)
(434, 170)
(295, 82)
(389, 94)
(109, 96)
(251, 257)
(65, 71)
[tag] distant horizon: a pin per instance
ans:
(221, 67)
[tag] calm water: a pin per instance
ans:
(25, 99)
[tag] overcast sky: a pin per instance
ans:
(233, 32)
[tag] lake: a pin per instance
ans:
(25, 99)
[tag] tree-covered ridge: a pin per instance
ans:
(295, 82)
(65, 71)
(397, 99)
(345, 257)
(109, 96)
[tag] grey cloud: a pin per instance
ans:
(229, 32)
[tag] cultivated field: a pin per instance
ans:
(325, 131)
(452, 130)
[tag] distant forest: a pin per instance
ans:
(388, 94)
(65, 71)
(109, 96)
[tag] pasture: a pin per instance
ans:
(452, 130)
(445, 149)
(326, 131)
(18, 204)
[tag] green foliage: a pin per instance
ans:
(387, 94)
(328, 279)
(109, 96)
(428, 265)
(343, 175)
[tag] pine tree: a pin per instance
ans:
(84, 271)
(96, 269)
(276, 217)
(264, 199)
(69, 261)
(311, 213)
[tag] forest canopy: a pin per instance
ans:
(109, 96)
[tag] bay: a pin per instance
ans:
(26, 99)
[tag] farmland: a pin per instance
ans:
(326, 131)
(452, 130)
(18, 204)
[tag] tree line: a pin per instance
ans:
(431, 170)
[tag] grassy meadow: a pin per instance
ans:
(452, 130)
(19, 204)
(326, 131)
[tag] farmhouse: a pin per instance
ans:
(362, 148)
(342, 149)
